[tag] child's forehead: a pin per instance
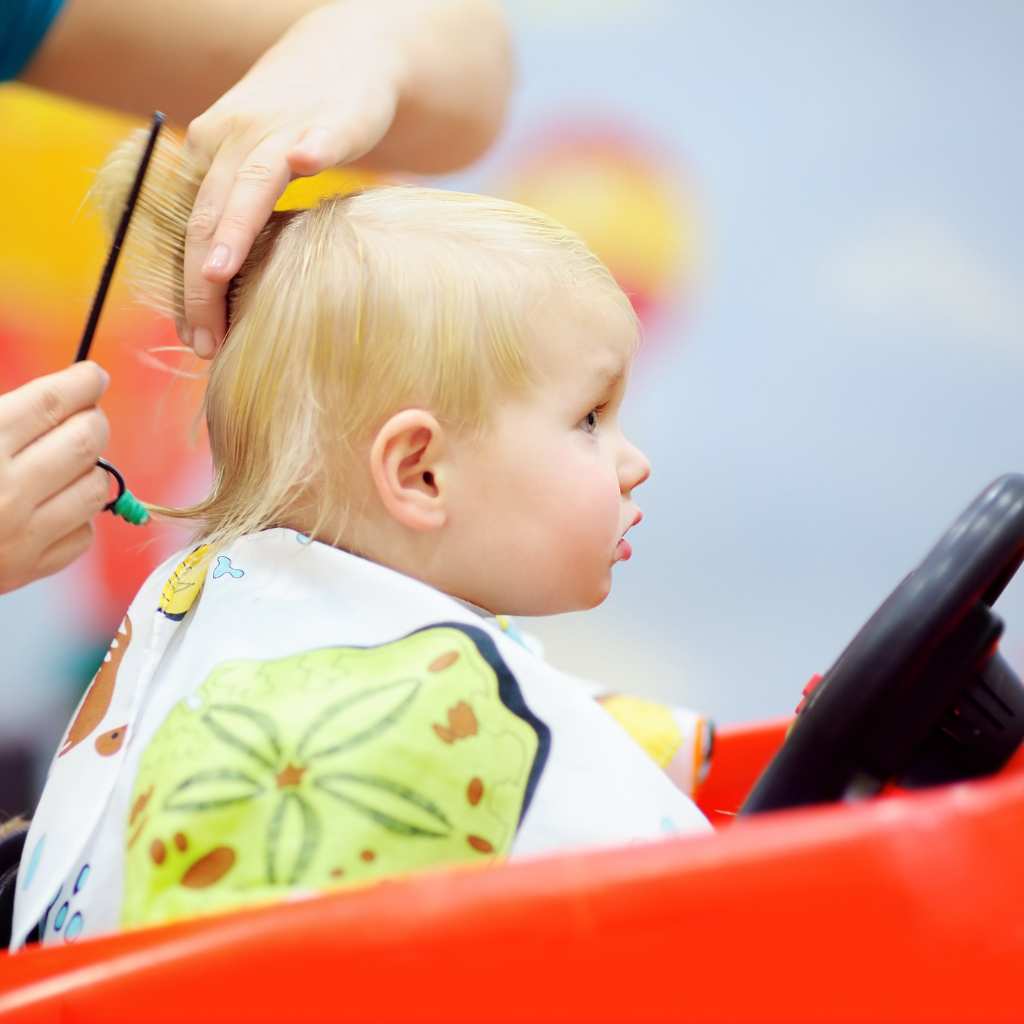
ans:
(583, 333)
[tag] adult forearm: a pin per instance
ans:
(180, 56)
(460, 73)
(173, 55)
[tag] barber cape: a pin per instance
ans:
(287, 718)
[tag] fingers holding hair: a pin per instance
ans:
(233, 205)
(33, 410)
(45, 539)
(64, 551)
(66, 453)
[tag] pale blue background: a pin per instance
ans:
(852, 373)
(848, 372)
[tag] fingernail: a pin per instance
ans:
(104, 375)
(218, 258)
(203, 343)
(184, 333)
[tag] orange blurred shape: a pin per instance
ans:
(50, 262)
(629, 202)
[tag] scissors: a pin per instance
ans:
(125, 505)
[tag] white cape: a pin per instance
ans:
(293, 718)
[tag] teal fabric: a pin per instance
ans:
(23, 25)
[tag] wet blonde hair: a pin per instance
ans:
(342, 315)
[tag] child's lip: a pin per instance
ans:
(636, 521)
(624, 550)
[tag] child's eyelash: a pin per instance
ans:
(596, 413)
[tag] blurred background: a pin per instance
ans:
(815, 208)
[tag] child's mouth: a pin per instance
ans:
(624, 550)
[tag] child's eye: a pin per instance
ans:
(589, 422)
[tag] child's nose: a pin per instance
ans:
(634, 468)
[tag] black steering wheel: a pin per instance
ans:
(921, 695)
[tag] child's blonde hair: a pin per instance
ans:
(342, 315)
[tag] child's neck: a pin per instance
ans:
(420, 556)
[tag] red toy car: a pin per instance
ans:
(899, 907)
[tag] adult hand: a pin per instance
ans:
(51, 434)
(325, 94)
(410, 85)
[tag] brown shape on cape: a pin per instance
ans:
(134, 837)
(461, 724)
(475, 790)
(443, 661)
(140, 805)
(290, 775)
(110, 742)
(101, 691)
(210, 869)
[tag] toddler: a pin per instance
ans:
(414, 424)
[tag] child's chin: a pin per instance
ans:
(599, 594)
(570, 604)
(581, 599)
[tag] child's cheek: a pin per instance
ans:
(596, 500)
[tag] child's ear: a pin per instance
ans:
(405, 465)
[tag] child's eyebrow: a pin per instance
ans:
(608, 378)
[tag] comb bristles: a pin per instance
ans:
(154, 249)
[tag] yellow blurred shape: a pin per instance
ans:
(54, 245)
(651, 725)
(621, 203)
